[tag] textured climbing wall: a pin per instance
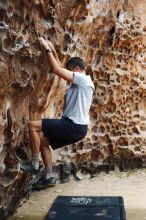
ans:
(111, 36)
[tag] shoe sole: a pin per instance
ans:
(40, 187)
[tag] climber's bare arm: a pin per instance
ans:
(58, 70)
(55, 66)
(54, 52)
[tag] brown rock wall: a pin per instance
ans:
(111, 37)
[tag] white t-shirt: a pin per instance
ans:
(78, 99)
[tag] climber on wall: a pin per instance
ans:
(72, 127)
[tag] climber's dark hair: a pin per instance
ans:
(75, 61)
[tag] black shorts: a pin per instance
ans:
(61, 132)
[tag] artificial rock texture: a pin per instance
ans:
(111, 37)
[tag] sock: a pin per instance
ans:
(48, 172)
(35, 161)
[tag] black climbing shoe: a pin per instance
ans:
(44, 183)
(29, 168)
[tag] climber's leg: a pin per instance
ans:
(35, 128)
(47, 157)
(48, 179)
